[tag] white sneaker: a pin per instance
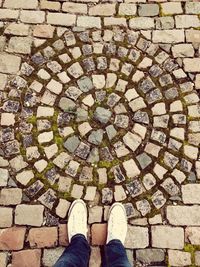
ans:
(77, 219)
(117, 223)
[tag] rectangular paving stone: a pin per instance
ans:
(6, 217)
(20, 45)
(30, 4)
(74, 8)
(115, 21)
(179, 258)
(192, 235)
(28, 257)
(164, 236)
(127, 9)
(192, 36)
(61, 19)
(141, 23)
(17, 29)
(50, 256)
(191, 64)
(150, 255)
(192, 7)
(102, 10)
(12, 238)
(7, 14)
(43, 237)
(191, 193)
(32, 17)
(187, 21)
(148, 10)
(89, 22)
(171, 8)
(9, 64)
(10, 196)
(168, 36)
(183, 215)
(137, 237)
(49, 5)
(29, 214)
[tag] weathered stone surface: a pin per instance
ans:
(12, 238)
(137, 237)
(10, 196)
(50, 256)
(9, 63)
(167, 237)
(183, 215)
(150, 255)
(168, 36)
(99, 232)
(6, 217)
(191, 64)
(61, 19)
(32, 17)
(29, 215)
(43, 31)
(32, 4)
(190, 193)
(88, 22)
(179, 258)
(43, 237)
(26, 258)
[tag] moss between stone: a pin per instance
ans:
(191, 249)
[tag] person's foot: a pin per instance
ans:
(117, 223)
(77, 219)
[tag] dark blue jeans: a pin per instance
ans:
(77, 254)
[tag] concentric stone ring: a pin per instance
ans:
(105, 117)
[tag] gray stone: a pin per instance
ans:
(86, 174)
(171, 188)
(121, 121)
(141, 116)
(135, 188)
(111, 132)
(81, 115)
(149, 10)
(83, 150)
(144, 160)
(89, 64)
(102, 115)
(48, 198)
(113, 99)
(96, 137)
(67, 104)
(9, 63)
(158, 199)
(130, 210)
(143, 206)
(119, 177)
(154, 96)
(72, 143)
(107, 196)
(93, 156)
(85, 84)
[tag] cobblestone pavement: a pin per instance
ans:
(99, 100)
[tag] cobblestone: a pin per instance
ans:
(99, 101)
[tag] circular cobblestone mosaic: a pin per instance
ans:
(105, 114)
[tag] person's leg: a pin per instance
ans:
(76, 254)
(115, 255)
(114, 252)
